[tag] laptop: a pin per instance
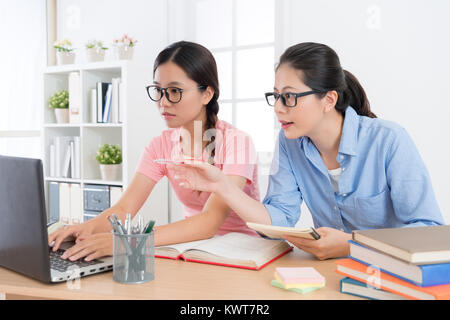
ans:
(23, 227)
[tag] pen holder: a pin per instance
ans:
(134, 258)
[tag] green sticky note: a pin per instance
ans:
(277, 284)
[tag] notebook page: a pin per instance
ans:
(239, 246)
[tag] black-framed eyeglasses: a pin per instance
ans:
(289, 99)
(173, 94)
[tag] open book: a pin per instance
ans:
(277, 231)
(232, 250)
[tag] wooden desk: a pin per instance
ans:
(176, 280)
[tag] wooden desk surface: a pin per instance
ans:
(176, 280)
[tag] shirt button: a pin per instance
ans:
(335, 208)
(343, 169)
(344, 195)
(342, 157)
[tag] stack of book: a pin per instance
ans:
(398, 263)
(299, 280)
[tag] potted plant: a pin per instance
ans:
(64, 52)
(59, 101)
(95, 51)
(124, 47)
(110, 159)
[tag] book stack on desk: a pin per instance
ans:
(394, 263)
(299, 280)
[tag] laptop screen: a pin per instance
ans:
(23, 218)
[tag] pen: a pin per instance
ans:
(119, 230)
(128, 223)
(150, 226)
(147, 230)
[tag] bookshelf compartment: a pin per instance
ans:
(94, 137)
(52, 84)
(90, 79)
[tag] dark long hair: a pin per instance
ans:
(322, 71)
(200, 66)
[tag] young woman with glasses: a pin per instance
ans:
(353, 170)
(186, 90)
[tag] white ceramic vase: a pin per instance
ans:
(110, 172)
(95, 54)
(65, 57)
(62, 115)
(124, 52)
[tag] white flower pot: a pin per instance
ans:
(95, 54)
(124, 52)
(65, 57)
(62, 115)
(110, 172)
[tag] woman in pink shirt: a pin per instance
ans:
(186, 90)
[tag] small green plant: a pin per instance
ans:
(109, 154)
(94, 44)
(63, 45)
(59, 100)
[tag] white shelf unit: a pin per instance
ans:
(141, 122)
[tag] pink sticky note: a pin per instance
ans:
(299, 275)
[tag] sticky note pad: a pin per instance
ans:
(277, 284)
(298, 285)
(299, 275)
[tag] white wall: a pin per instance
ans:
(399, 50)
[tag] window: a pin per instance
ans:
(22, 25)
(240, 34)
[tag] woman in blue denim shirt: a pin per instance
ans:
(353, 170)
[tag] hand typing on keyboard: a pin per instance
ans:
(91, 247)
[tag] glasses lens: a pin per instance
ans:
(289, 99)
(154, 93)
(270, 98)
(174, 94)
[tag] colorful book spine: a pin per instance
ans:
(432, 274)
(375, 277)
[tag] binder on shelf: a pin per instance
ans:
(64, 203)
(93, 105)
(107, 108)
(74, 97)
(66, 162)
(72, 159)
(52, 159)
(77, 158)
(102, 88)
(53, 197)
(76, 205)
(115, 100)
(121, 101)
(114, 195)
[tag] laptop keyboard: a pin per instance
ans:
(60, 264)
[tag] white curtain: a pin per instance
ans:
(22, 61)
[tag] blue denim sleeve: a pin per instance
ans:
(283, 198)
(412, 194)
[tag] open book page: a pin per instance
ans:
(174, 250)
(239, 249)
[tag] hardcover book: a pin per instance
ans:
(418, 245)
